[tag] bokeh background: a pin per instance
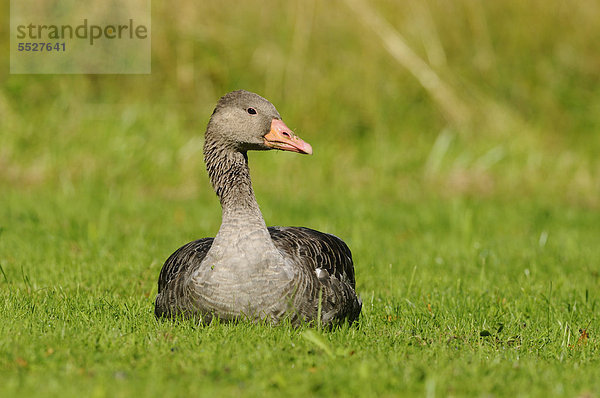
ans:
(523, 78)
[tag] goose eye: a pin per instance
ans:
(252, 111)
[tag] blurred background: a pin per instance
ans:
(410, 106)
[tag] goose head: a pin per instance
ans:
(245, 121)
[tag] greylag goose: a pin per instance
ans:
(248, 270)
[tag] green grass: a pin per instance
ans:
(77, 305)
(475, 243)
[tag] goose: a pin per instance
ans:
(248, 270)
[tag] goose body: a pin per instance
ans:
(248, 270)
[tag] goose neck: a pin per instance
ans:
(230, 176)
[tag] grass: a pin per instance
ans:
(475, 241)
(77, 308)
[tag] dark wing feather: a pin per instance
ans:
(316, 249)
(186, 256)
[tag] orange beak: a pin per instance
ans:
(282, 138)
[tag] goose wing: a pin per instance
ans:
(186, 256)
(316, 250)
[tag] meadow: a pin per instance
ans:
(456, 151)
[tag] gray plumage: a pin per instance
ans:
(249, 270)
